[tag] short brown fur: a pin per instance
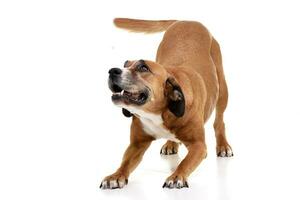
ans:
(192, 58)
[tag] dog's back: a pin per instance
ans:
(186, 44)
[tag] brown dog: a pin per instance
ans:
(171, 98)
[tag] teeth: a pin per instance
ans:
(122, 92)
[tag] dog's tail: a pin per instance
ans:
(143, 26)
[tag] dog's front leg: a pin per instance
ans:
(132, 157)
(139, 143)
(196, 153)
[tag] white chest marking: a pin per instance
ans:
(153, 125)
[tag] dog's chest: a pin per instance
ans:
(153, 125)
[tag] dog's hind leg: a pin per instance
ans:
(169, 148)
(223, 148)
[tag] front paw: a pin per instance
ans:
(114, 181)
(176, 181)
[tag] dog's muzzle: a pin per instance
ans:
(123, 93)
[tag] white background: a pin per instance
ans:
(60, 134)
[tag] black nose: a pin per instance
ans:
(115, 71)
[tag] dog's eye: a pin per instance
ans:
(142, 68)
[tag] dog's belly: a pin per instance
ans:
(154, 127)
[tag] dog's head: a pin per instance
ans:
(145, 86)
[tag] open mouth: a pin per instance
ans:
(138, 98)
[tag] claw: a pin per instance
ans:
(104, 185)
(173, 151)
(178, 184)
(186, 184)
(170, 185)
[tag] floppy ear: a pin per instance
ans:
(126, 113)
(175, 97)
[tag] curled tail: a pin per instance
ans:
(144, 26)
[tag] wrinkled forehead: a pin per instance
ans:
(155, 68)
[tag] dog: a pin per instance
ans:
(171, 98)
